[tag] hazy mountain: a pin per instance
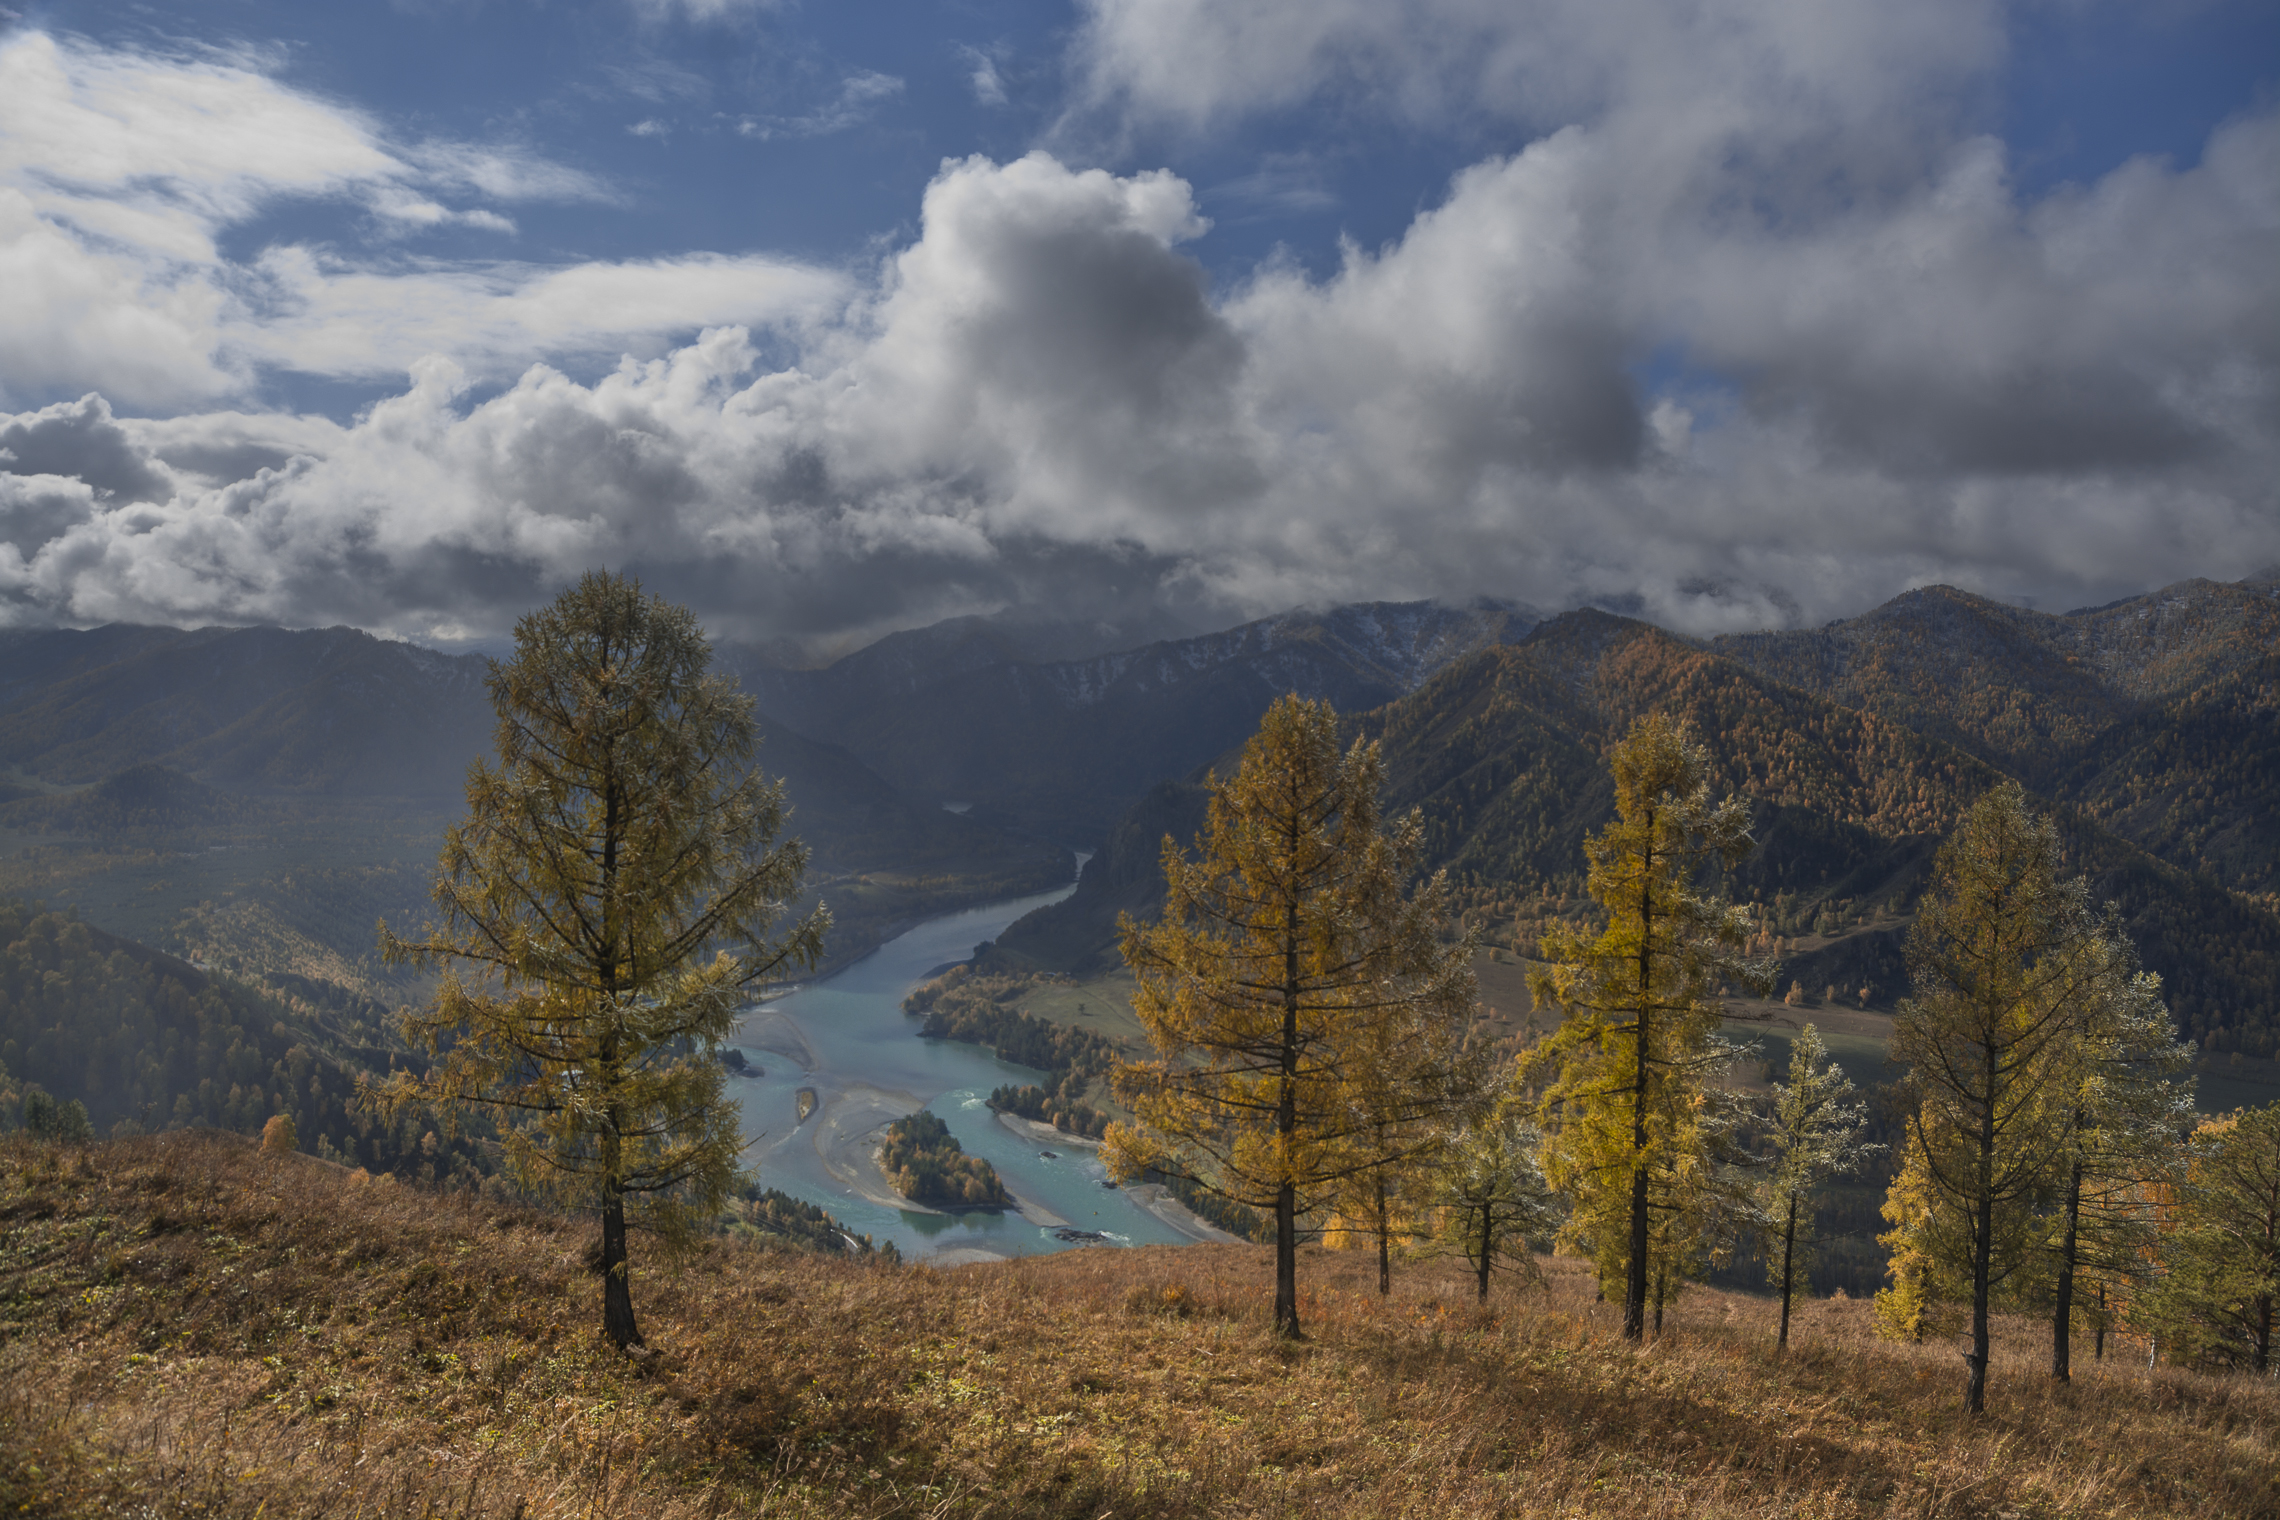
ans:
(330, 711)
(1028, 640)
(965, 713)
(156, 743)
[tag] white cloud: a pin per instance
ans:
(1792, 68)
(120, 172)
(331, 319)
(1040, 400)
(859, 95)
(700, 10)
(982, 75)
(506, 173)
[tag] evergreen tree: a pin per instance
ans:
(1493, 1192)
(1631, 1119)
(2124, 1109)
(610, 895)
(1288, 970)
(1816, 1134)
(2217, 1297)
(2002, 954)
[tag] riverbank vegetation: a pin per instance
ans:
(386, 1349)
(984, 1010)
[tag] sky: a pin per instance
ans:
(836, 319)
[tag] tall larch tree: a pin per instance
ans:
(609, 897)
(2001, 953)
(1299, 998)
(1627, 1101)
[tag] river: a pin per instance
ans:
(848, 1039)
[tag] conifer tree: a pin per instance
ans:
(1630, 1113)
(2123, 1107)
(604, 905)
(1493, 1192)
(1391, 1200)
(2217, 1298)
(2001, 953)
(1306, 1017)
(1418, 1082)
(1816, 1133)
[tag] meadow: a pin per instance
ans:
(191, 1327)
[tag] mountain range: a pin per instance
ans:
(950, 763)
(2148, 729)
(1007, 724)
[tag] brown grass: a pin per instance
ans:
(189, 1328)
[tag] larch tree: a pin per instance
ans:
(2216, 1300)
(1306, 1015)
(2124, 1109)
(1418, 1082)
(1627, 1101)
(2001, 953)
(609, 897)
(1815, 1130)
(1493, 1195)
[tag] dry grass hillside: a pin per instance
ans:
(189, 1328)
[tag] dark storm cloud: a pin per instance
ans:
(81, 439)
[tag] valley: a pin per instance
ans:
(253, 801)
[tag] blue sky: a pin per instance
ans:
(835, 319)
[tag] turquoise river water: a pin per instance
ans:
(848, 1039)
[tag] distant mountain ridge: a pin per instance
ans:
(1504, 752)
(962, 712)
(2159, 715)
(2147, 725)
(154, 744)
(328, 711)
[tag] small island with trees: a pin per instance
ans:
(925, 1163)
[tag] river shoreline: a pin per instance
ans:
(842, 1048)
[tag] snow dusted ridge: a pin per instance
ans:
(1398, 643)
(1388, 646)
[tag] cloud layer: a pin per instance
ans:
(1754, 330)
(122, 175)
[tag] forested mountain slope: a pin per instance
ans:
(150, 1042)
(961, 713)
(1504, 752)
(2157, 715)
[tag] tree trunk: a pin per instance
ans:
(1635, 1280)
(1385, 1241)
(2062, 1313)
(1286, 1262)
(1788, 1255)
(1487, 1245)
(1982, 1250)
(617, 1292)
(2262, 1361)
(2098, 1343)
(1286, 1126)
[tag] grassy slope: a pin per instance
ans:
(196, 1329)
